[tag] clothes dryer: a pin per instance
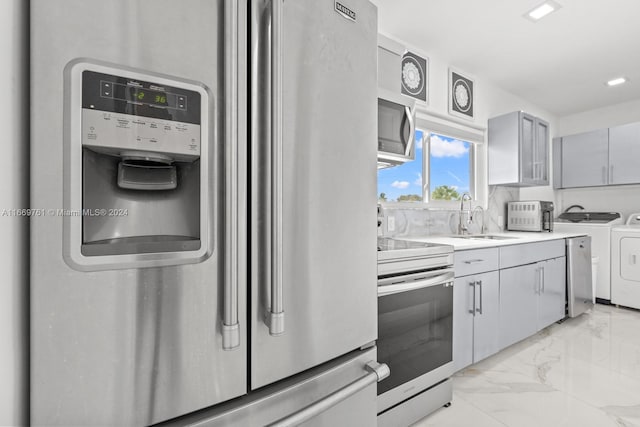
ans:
(625, 263)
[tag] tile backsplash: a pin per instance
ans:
(431, 221)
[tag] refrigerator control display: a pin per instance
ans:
(117, 94)
(126, 113)
(140, 95)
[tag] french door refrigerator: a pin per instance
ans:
(188, 264)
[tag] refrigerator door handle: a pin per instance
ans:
(376, 372)
(275, 314)
(230, 324)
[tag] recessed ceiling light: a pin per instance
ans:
(616, 82)
(542, 10)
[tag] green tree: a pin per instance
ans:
(444, 192)
(382, 197)
(410, 198)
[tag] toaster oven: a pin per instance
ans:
(530, 216)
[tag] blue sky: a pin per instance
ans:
(449, 166)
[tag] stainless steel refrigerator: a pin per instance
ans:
(188, 263)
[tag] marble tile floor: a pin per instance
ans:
(580, 373)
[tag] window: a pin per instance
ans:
(441, 171)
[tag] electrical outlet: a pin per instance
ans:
(391, 223)
(501, 222)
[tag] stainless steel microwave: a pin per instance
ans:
(396, 129)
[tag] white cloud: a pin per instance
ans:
(442, 148)
(418, 180)
(400, 184)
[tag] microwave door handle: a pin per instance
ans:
(412, 129)
(230, 324)
(274, 318)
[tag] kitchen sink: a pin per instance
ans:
(483, 236)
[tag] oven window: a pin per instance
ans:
(415, 330)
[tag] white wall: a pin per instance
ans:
(14, 176)
(620, 198)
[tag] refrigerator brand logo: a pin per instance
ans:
(345, 11)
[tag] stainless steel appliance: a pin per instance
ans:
(396, 124)
(415, 329)
(579, 278)
(158, 287)
(396, 129)
(598, 226)
(530, 216)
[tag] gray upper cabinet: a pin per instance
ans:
(624, 154)
(600, 157)
(585, 159)
(518, 150)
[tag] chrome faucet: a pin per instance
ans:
(474, 214)
(462, 228)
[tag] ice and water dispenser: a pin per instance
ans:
(138, 169)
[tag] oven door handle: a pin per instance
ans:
(441, 277)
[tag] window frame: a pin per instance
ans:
(427, 202)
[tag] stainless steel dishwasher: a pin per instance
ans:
(579, 289)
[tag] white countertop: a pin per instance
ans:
(511, 238)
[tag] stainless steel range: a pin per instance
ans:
(415, 328)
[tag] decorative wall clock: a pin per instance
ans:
(415, 76)
(461, 95)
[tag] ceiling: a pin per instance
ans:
(560, 63)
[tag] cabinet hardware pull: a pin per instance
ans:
(481, 297)
(473, 310)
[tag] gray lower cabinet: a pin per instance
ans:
(476, 306)
(504, 295)
(552, 291)
(518, 303)
(532, 295)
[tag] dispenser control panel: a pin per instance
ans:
(124, 114)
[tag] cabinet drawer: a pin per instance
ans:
(511, 256)
(475, 261)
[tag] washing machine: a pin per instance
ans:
(598, 225)
(625, 263)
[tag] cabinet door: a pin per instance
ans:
(464, 291)
(518, 303)
(487, 319)
(527, 148)
(552, 291)
(624, 154)
(585, 159)
(540, 158)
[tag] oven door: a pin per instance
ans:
(415, 333)
(396, 129)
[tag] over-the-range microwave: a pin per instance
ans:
(396, 129)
